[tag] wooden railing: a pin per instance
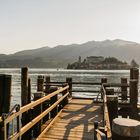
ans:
(7, 119)
(106, 115)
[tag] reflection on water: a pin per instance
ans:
(60, 75)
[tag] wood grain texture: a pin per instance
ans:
(76, 121)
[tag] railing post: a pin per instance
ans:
(96, 124)
(123, 89)
(40, 83)
(25, 100)
(47, 86)
(103, 80)
(37, 111)
(46, 104)
(69, 81)
(5, 98)
(65, 101)
(112, 104)
(109, 91)
(133, 96)
(134, 73)
(54, 112)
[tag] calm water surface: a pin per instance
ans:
(60, 75)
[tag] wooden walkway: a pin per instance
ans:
(76, 121)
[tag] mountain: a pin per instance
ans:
(60, 56)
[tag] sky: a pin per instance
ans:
(30, 24)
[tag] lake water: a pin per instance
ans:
(113, 76)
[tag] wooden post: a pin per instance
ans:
(112, 104)
(109, 91)
(48, 79)
(46, 104)
(40, 83)
(29, 90)
(54, 112)
(65, 101)
(134, 73)
(69, 81)
(103, 80)
(24, 86)
(133, 95)
(96, 124)
(124, 89)
(25, 100)
(37, 111)
(5, 98)
(125, 129)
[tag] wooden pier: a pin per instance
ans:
(56, 114)
(75, 122)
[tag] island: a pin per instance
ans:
(100, 62)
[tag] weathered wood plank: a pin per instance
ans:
(76, 121)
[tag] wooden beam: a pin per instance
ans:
(50, 124)
(33, 104)
(38, 118)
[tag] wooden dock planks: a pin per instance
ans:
(76, 121)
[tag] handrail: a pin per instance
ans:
(100, 135)
(38, 118)
(35, 103)
(82, 83)
(115, 85)
(27, 107)
(106, 115)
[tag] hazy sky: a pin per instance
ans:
(27, 24)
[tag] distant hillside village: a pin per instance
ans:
(99, 62)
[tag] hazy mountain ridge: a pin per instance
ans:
(61, 55)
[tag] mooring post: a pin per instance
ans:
(103, 80)
(125, 129)
(69, 81)
(133, 96)
(47, 86)
(37, 111)
(25, 100)
(65, 101)
(5, 99)
(40, 83)
(96, 124)
(24, 86)
(29, 90)
(134, 73)
(46, 104)
(123, 89)
(109, 91)
(54, 112)
(112, 104)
